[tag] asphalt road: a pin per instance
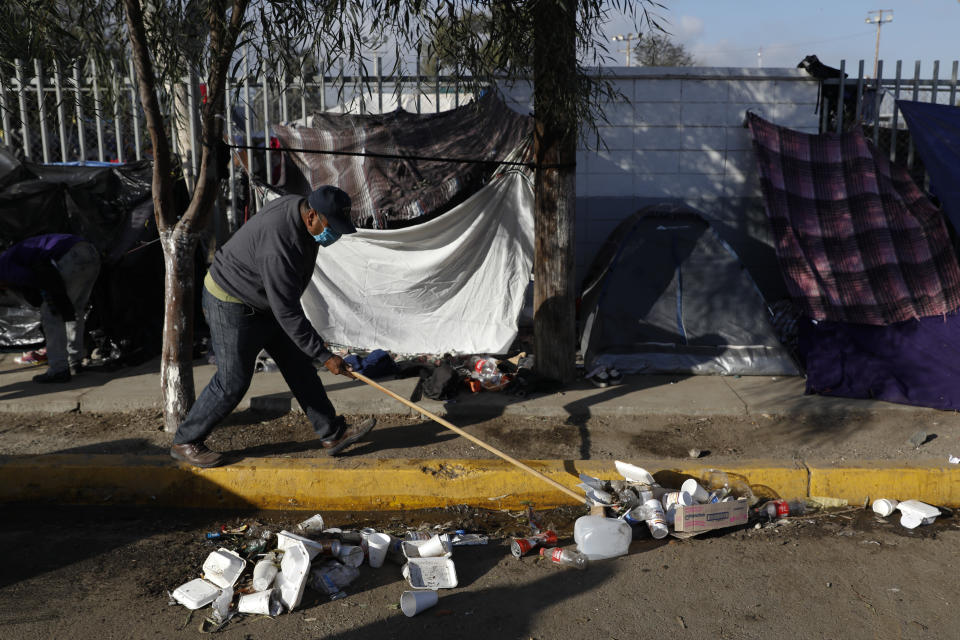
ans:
(104, 572)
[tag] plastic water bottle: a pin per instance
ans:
(264, 572)
(776, 509)
(567, 557)
(599, 537)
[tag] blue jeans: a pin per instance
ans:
(79, 268)
(238, 333)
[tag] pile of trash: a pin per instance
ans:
(326, 560)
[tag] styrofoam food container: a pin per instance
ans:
(411, 548)
(221, 569)
(292, 578)
(286, 539)
(913, 510)
(634, 473)
(430, 573)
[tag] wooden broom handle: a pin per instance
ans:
(474, 439)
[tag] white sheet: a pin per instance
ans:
(453, 284)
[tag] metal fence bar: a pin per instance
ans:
(436, 91)
(135, 110)
(379, 71)
(896, 112)
(41, 109)
(953, 83)
(192, 125)
(302, 83)
(232, 223)
(118, 137)
(97, 109)
(5, 114)
(856, 117)
(284, 86)
(840, 90)
(81, 137)
(22, 100)
(877, 95)
(61, 110)
(265, 87)
(915, 97)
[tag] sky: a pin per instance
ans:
(730, 33)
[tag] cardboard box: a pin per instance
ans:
(698, 518)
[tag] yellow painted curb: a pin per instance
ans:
(936, 484)
(365, 484)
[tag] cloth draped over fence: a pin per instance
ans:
(935, 130)
(453, 284)
(387, 190)
(856, 239)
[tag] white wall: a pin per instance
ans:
(680, 139)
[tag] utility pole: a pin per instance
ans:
(878, 17)
(628, 37)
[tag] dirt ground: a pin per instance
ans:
(103, 573)
(882, 435)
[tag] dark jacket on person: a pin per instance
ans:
(268, 264)
(30, 267)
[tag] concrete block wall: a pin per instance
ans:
(680, 138)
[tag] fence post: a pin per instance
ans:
(302, 82)
(936, 82)
(22, 100)
(97, 108)
(41, 109)
(379, 86)
(856, 117)
(81, 135)
(61, 110)
(135, 110)
(436, 90)
(283, 84)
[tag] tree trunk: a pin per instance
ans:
(176, 360)
(555, 67)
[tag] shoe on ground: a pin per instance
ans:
(36, 357)
(599, 378)
(348, 435)
(615, 376)
(50, 376)
(197, 454)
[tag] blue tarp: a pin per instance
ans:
(935, 129)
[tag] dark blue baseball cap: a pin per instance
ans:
(335, 205)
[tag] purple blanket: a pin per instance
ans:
(916, 362)
(857, 241)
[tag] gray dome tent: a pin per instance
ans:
(665, 294)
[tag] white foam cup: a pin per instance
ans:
(884, 506)
(413, 602)
(257, 602)
(377, 544)
(910, 520)
(350, 555)
(365, 534)
(676, 497)
(698, 493)
(434, 547)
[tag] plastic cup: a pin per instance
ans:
(312, 525)
(350, 555)
(258, 602)
(698, 493)
(377, 544)
(413, 602)
(672, 499)
(884, 506)
(434, 547)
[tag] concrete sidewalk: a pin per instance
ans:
(360, 484)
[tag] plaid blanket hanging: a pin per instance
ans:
(856, 239)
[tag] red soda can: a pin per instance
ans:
(521, 546)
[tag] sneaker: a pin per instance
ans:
(197, 454)
(36, 357)
(348, 435)
(598, 377)
(615, 376)
(49, 376)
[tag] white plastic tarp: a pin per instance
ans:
(453, 284)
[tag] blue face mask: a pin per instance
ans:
(327, 238)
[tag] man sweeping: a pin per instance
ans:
(251, 301)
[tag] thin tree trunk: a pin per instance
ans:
(176, 361)
(555, 67)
